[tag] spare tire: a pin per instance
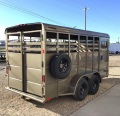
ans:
(60, 66)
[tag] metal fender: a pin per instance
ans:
(76, 78)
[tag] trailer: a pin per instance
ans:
(114, 48)
(46, 61)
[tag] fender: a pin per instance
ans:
(76, 78)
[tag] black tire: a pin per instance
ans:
(81, 90)
(94, 83)
(60, 66)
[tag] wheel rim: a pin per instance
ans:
(95, 84)
(83, 89)
(63, 66)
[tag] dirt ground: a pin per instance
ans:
(11, 104)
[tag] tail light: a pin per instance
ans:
(43, 78)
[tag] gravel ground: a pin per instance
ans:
(11, 103)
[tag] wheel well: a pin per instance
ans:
(98, 75)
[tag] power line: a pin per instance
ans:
(58, 6)
(77, 3)
(18, 8)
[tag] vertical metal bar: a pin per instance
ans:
(78, 54)
(93, 53)
(22, 60)
(43, 34)
(30, 39)
(43, 56)
(69, 45)
(86, 53)
(7, 56)
(57, 43)
(99, 52)
(57, 48)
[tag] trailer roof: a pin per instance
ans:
(51, 27)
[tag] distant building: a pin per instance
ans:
(2, 50)
(114, 48)
(2, 42)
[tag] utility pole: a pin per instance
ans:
(118, 39)
(85, 9)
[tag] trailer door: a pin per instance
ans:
(25, 62)
(104, 56)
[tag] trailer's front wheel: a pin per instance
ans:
(81, 90)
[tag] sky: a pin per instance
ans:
(102, 15)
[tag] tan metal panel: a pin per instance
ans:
(82, 61)
(34, 75)
(33, 60)
(15, 59)
(89, 61)
(34, 88)
(48, 59)
(65, 85)
(49, 78)
(15, 72)
(95, 61)
(51, 90)
(15, 83)
(74, 58)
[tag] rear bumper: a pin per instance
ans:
(34, 97)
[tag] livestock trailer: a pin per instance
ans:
(46, 61)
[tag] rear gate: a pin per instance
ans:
(24, 62)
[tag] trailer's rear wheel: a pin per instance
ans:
(94, 83)
(60, 66)
(81, 90)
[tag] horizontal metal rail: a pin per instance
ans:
(32, 43)
(14, 43)
(13, 48)
(36, 98)
(32, 31)
(13, 33)
(32, 49)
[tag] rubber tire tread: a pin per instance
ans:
(77, 95)
(90, 82)
(54, 66)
